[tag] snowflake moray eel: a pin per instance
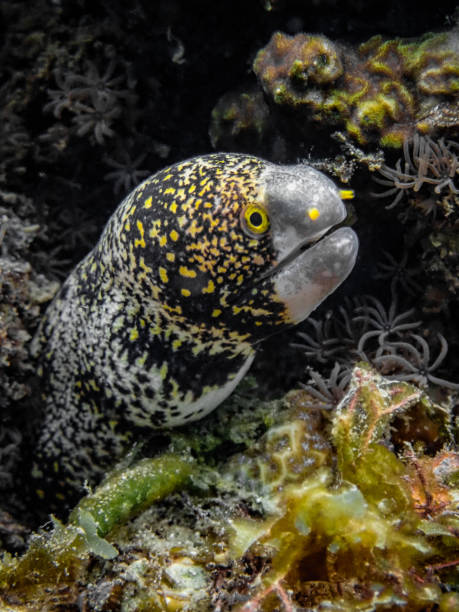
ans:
(161, 320)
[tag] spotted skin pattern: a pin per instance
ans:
(157, 325)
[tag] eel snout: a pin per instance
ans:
(307, 279)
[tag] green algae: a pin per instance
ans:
(365, 521)
(128, 491)
(60, 558)
(359, 426)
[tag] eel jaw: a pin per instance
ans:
(305, 280)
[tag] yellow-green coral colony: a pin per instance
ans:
(161, 320)
(384, 89)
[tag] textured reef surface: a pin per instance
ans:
(330, 478)
(347, 512)
(390, 89)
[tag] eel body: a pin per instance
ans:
(161, 320)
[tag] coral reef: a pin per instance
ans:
(383, 90)
(366, 330)
(277, 526)
(423, 185)
(23, 291)
(291, 503)
(441, 261)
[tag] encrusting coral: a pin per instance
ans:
(384, 90)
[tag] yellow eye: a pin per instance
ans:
(256, 219)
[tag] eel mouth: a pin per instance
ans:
(313, 270)
(297, 251)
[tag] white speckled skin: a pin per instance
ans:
(156, 326)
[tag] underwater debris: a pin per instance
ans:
(429, 163)
(381, 90)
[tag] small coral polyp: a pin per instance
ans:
(375, 90)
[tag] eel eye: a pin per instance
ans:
(255, 219)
